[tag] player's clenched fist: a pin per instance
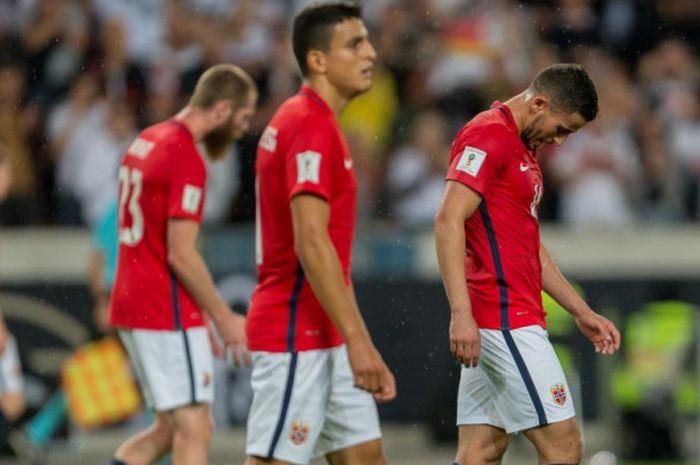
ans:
(370, 372)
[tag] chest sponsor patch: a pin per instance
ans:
(471, 160)
(308, 167)
(191, 197)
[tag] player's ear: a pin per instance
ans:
(316, 61)
(538, 103)
(223, 109)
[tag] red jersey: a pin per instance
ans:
(162, 176)
(302, 151)
(503, 268)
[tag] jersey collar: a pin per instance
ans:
(510, 121)
(312, 95)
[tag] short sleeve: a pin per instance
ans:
(186, 182)
(308, 162)
(478, 155)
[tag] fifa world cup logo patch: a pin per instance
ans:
(558, 391)
(300, 431)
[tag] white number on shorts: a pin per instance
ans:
(130, 181)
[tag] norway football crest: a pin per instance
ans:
(300, 431)
(559, 395)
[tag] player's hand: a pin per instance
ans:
(231, 329)
(465, 340)
(600, 331)
(369, 371)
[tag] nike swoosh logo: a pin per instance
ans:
(348, 163)
(524, 167)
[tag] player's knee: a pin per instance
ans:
(482, 455)
(372, 455)
(568, 451)
(198, 428)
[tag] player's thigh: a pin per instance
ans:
(352, 420)
(557, 443)
(174, 368)
(288, 412)
(475, 404)
(367, 453)
(481, 445)
(524, 378)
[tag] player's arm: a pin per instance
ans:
(459, 202)
(191, 270)
(601, 331)
(322, 269)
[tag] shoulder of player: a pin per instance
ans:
(487, 132)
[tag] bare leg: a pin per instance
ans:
(149, 445)
(481, 445)
(193, 428)
(367, 453)
(558, 443)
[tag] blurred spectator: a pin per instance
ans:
(415, 174)
(368, 123)
(71, 125)
(574, 23)
(684, 135)
(55, 35)
(96, 178)
(18, 124)
(487, 39)
(597, 169)
(681, 18)
(659, 197)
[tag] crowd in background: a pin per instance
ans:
(79, 78)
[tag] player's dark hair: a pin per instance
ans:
(313, 28)
(222, 82)
(570, 89)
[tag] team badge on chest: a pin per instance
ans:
(559, 395)
(300, 431)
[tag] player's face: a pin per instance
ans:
(549, 126)
(350, 58)
(219, 140)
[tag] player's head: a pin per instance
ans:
(331, 41)
(229, 96)
(561, 100)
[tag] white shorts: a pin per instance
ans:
(11, 380)
(174, 368)
(305, 405)
(518, 384)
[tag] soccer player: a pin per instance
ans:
(163, 291)
(316, 374)
(494, 266)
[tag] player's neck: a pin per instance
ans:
(518, 106)
(329, 93)
(194, 120)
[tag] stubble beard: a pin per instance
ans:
(219, 140)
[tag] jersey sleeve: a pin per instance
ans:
(308, 162)
(187, 181)
(478, 155)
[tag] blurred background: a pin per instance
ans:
(80, 78)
